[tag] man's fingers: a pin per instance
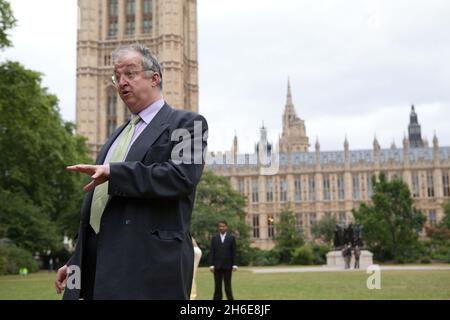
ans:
(58, 290)
(84, 168)
(97, 174)
(60, 286)
(61, 278)
(90, 186)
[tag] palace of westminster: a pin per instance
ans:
(321, 183)
(314, 184)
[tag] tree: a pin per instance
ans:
(391, 223)
(324, 229)
(216, 200)
(438, 242)
(287, 237)
(40, 199)
(445, 222)
(7, 21)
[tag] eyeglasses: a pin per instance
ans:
(128, 75)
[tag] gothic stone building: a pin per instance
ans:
(167, 27)
(322, 183)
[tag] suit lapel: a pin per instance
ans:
(149, 135)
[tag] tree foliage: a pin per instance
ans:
(40, 200)
(391, 223)
(445, 222)
(216, 200)
(7, 22)
(287, 237)
(324, 229)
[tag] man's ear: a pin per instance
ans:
(156, 79)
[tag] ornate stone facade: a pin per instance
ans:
(167, 27)
(322, 183)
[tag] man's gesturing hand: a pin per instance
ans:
(61, 279)
(99, 174)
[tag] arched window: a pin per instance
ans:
(147, 16)
(130, 14)
(111, 112)
(113, 18)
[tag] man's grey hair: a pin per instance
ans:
(149, 61)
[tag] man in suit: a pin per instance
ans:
(222, 260)
(133, 240)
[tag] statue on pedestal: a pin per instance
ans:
(345, 234)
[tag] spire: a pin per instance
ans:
(289, 93)
(290, 115)
(263, 133)
(393, 145)
(376, 144)
(294, 136)
(346, 152)
(414, 130)
(435, 141)
(235, 147)
(405, 141)
(413, 115)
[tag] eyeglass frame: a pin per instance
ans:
(131, 77)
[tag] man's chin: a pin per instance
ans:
(132, 107)
(129, 102)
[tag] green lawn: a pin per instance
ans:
(247, 285)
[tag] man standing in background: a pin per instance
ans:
(222, 260)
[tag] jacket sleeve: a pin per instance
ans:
(212, 253)
(166, 179)
(233, 252)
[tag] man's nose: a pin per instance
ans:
(122, 82)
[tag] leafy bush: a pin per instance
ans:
(13, 258)
(303, 255)
(320, 254)
(425, 259)
(441, 252)
(438, 247)
(265, 257)
(412, 253)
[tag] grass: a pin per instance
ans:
(420, 284)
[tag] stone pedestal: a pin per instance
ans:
(336, 260)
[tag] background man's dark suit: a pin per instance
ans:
(223, 258)
(144, 248)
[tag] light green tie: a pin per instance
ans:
(100, 197)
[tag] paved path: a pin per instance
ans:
(330, 269)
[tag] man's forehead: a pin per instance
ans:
(128, 61)
(125, 65)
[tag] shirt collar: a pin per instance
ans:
(149, 113)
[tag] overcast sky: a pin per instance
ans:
(355, 66)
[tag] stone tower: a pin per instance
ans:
(414, 130)
(167, 27)
(293, 138)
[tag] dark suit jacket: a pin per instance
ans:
(223, 255)
(144, 248)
